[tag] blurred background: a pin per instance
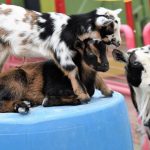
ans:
(135, 31)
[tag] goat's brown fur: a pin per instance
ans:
(27, 83)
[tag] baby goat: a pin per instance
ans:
(138, 76)
(45, 83)
(27, 33)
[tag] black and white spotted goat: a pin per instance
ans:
(138, 76)
(51, 35)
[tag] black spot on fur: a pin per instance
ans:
(67, 58)
(134, 74)
(54, 79)
(5, 93)
(77, 25)
(47, 26)
(4, 43)
(63, 26)
(69, 67)
(20, 75)
(108, 30)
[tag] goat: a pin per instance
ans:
(138, 76)
(27, 33)
(44, 83)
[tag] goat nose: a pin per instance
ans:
(115, 42)
(118, 44)
(105, 64)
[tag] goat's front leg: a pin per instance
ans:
(101, 85)
(78, 87)
(71, 71)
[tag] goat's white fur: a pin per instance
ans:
(35, 47)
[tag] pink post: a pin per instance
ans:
(146, 33)
(129, 36)
(146, 143)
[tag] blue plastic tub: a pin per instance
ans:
(102, 124)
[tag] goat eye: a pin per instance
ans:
(107, 16)
(91, 54)
(116, 21)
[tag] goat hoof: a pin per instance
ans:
(108, 94)
(76, 102)
(45, 102)
(85, 98)
(21, 108)
(28, 103)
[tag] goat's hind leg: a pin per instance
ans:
(3, 56)
(17, 106)
(60, 101)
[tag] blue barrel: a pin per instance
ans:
(102, 124)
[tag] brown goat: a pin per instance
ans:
(44, 83)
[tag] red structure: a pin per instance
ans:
(60, 6)
(8, 1)
(129, 16)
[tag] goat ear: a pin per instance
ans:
(118, 11)
(120, 56)
(103, 21)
